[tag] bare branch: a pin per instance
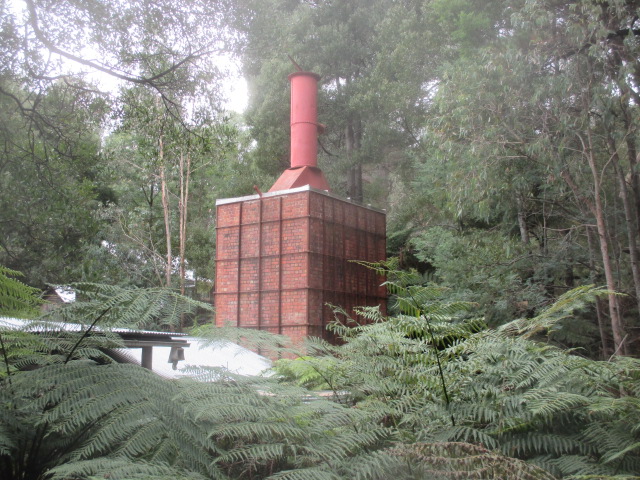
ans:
(140, 80)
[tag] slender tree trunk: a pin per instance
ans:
(522, 221)
(349, 141)
(358, 146)
(617, 325)
(165, 208)
(359, 194)
(632, 155)
(629, 216)
(353, 140)
(149, 197)
(185, 176)
(596, 210)
(604, 336)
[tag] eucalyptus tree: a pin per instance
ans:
(168, 48)
(539, 130)
(166, 172)
(144, 43)
(50, 179)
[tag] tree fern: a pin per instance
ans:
(16, 298)
(527, 399)
(81, 411)
(78, 408)
(522, 408)
(142, 308)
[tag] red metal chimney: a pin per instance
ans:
(304, 136)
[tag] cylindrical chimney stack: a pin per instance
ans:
(304, 119)
(304, 136)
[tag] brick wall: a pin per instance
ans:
(281, 257)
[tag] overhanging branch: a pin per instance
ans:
(150, 81)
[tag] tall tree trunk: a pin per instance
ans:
(617, 325)
(632, 155)
(185, 176)
(353, 140)
(349, 141)
(595, 208)
(149, 198)
(165, 209)
(630, 218)
(602, 328)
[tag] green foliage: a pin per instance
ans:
(64, 193)
(474, 123)
(150, 148)
(16, 298)
(504, 389)
(307, 371)
(115, 306)
(521, 408)
(370, 56)
(120, 413)
(483, 267)
(504, 156)
(49, 178)
(66, 406)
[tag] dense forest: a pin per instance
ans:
(501, 137)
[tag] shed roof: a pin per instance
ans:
(204, 353)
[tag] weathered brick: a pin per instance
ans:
(292, 255)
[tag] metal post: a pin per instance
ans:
(147, 357)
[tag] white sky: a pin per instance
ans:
(234, 88)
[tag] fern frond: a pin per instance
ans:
(138, 308)
(566, 304)
(16, 298)
(123, 468)
(309, 473)
(267, 343)
(445, 460)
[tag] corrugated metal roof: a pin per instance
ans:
(200, 358)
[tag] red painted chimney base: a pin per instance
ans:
(299, 177)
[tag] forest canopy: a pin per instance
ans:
(501, 137)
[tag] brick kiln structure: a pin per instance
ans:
(282, 256)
